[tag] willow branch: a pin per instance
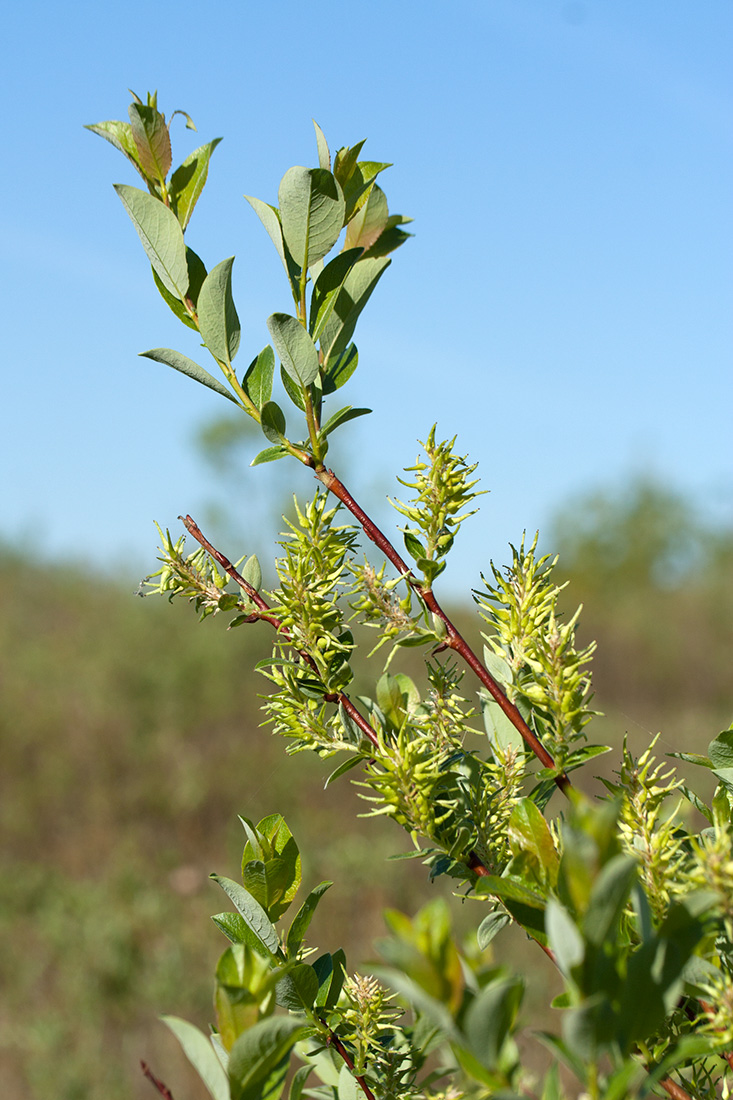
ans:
(164, 1091)
(263, 613)
(334, 1041)
(453, 639)
(674, 1090)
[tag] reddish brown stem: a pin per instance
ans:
(263, 606)
(162, 1089)
(674, 1090)
(334, 1041)
(454, 639)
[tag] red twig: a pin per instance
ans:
(674, 1090)
(339, 697)
(162, 1089)
(454, 639)
(334, 1041)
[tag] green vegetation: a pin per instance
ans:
(482, 755)
(128, 738)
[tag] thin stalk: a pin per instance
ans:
(263, 613)
(674, 1090)
(164, 1091)
(333, 1040)
(453, 639)
(312, 422)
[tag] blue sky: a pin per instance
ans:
(565, 305)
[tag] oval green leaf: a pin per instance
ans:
(218, 320)
(294, 346)
(187, 182)
(254, 915)
(257, 382)
(150, 134)
(161, 235)
(272, 420)
(312, 212)
(201, 1055)
(187, 366)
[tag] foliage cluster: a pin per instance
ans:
(631, 903)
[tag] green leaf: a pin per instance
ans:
(512, 889)
(258, 1061)
(324, 156)
(270, 454)
(119, 134)
(396, 697)
(366, 225)
(254, 915)
(498, 667)
(293, 390)
(255, 881)
(312, 212)
(354, 295)
(327, 287)
(490, 927)
(272, 420)
(201, 1055)
(490, 1018)
(218, 320)
(341, 417)
(187, 182)
(564, 938)
(270, 218)
(431, 569)
(358, 185)
(529, 832)
(298, 989)
(413, 545)
(233, 927)
(299, 927)
(340, 369)
(620, 1084)
(298, 1083)
(348, 1087)
(329, 969)
(161, 237)
(196, 276)
(608, 898)
(391, 237)
(252, 572)
(725, 775)
(588, 1028)
(257, 382)
(551, 1087)
(502, 733)
(294, 346)
(720, 750)
(187, 366)
(150, 134)
(345, 163)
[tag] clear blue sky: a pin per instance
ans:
(565, 305)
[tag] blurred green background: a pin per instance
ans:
(131, 739)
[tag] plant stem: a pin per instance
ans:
(162, 1089)
(341, 698)
(454, 639)
(674, 1090)
(338, 697)
(334, 1041)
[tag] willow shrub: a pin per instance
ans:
(632, 902)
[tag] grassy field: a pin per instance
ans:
(131, 740)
